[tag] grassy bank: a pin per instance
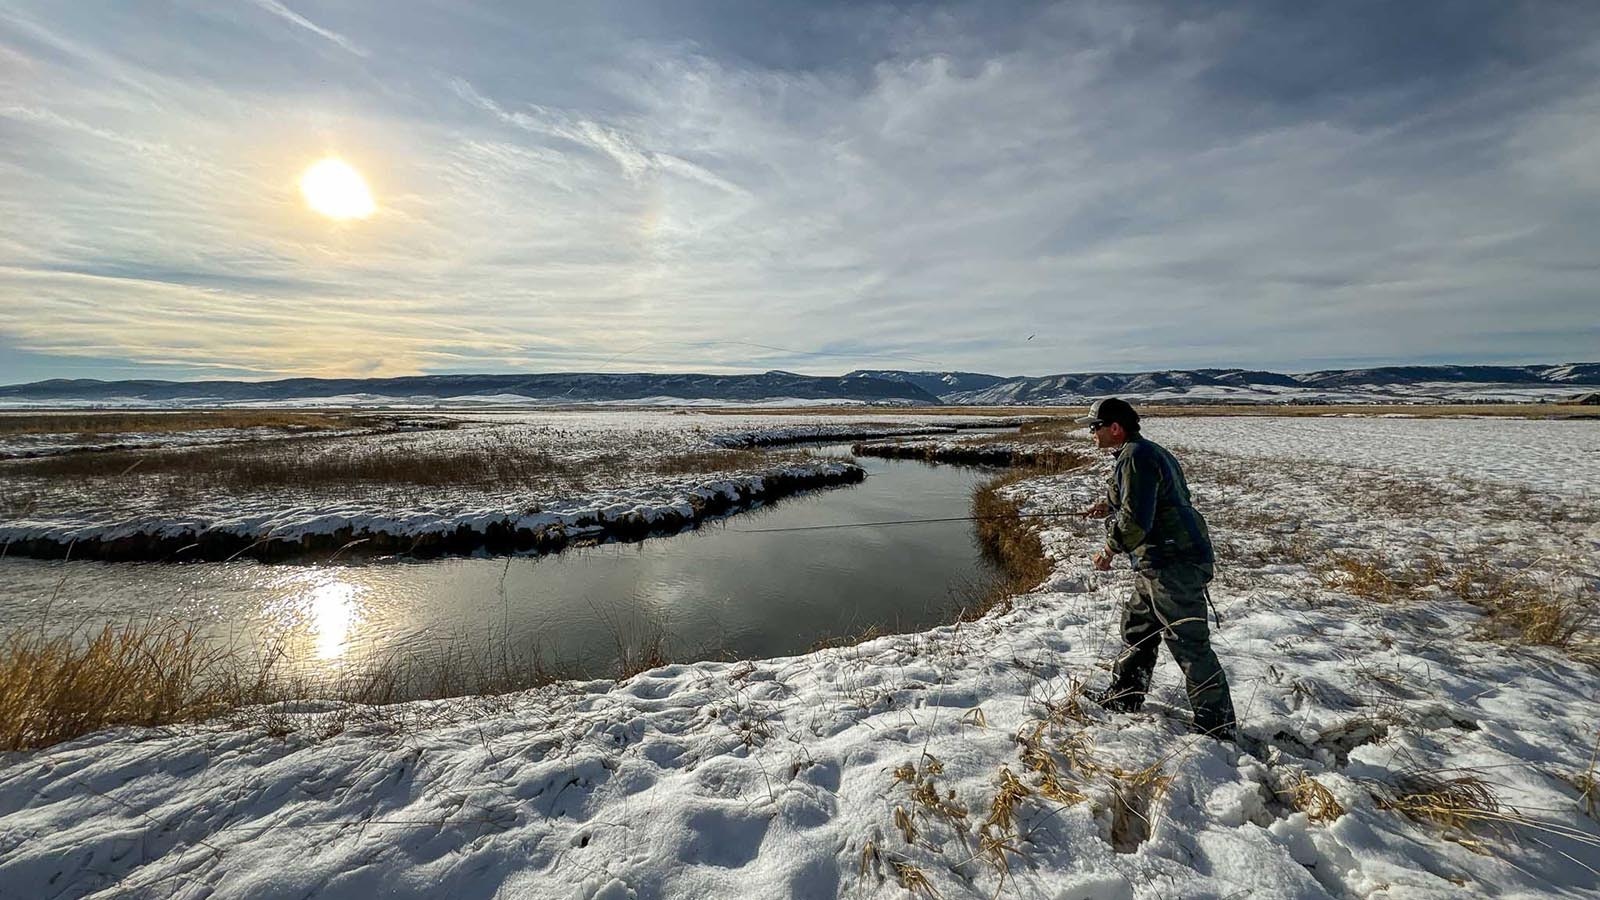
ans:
(1009, 542)
(486, 460)
(480, 460)
(1040, 458)
(55, 687)
(91, 425)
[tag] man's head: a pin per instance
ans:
(1111, 422)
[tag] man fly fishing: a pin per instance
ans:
(1148, 516)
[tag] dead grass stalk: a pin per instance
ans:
(1313, 798)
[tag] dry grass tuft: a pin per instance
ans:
(1521, 612)
(1009, 542)
(1588, 792)
(1372, 577)
(903, 821)
(912, 878)
(1313, 798)
(56, 688)
(924, 792)
(1517, 610)
(927, 795)
(1132, 791)
(1003, 808)
(640, 647)
(1038, 759)
(1067, 706)
(1463, 802)
(1457, 802)
(871, 860)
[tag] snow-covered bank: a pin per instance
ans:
(643, 509)
(980, 452)
(577, 476)
(770, 436)
(958, 757)
(1549, 456)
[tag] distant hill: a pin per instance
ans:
(1389, 384)
(935, 383)
(560, 388)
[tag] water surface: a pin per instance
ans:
(750, 585)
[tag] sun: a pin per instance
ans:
(334, 188)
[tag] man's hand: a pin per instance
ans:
(1102, 561)
(1098, 510)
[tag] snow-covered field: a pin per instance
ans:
(600, 465)
(1552, 457)
(954, 762)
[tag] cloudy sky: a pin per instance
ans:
(741, 186)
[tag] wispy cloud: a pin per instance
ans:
(289, 15)
(1135, 184)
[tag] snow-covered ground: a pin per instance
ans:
(1553, 457)
(600, 465)
(954, 762)
(1419, 392)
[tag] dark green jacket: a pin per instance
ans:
(1151, 518)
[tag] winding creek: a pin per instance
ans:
(761, 583)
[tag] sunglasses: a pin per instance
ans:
(1096, 426)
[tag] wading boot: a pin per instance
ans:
(1112, 700)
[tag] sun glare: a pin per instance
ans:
(337, 190)
(331, 611)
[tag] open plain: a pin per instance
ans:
(1406, 608)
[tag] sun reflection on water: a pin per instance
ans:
(330, 613)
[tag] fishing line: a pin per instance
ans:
(1042, 515)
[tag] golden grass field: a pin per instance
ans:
(143, 422)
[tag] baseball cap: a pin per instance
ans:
(1108, 411)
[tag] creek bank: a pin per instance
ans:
(989, 454)
(838, 434)
(426, 536)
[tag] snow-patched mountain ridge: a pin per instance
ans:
(1373, 385)
(1389, 384)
